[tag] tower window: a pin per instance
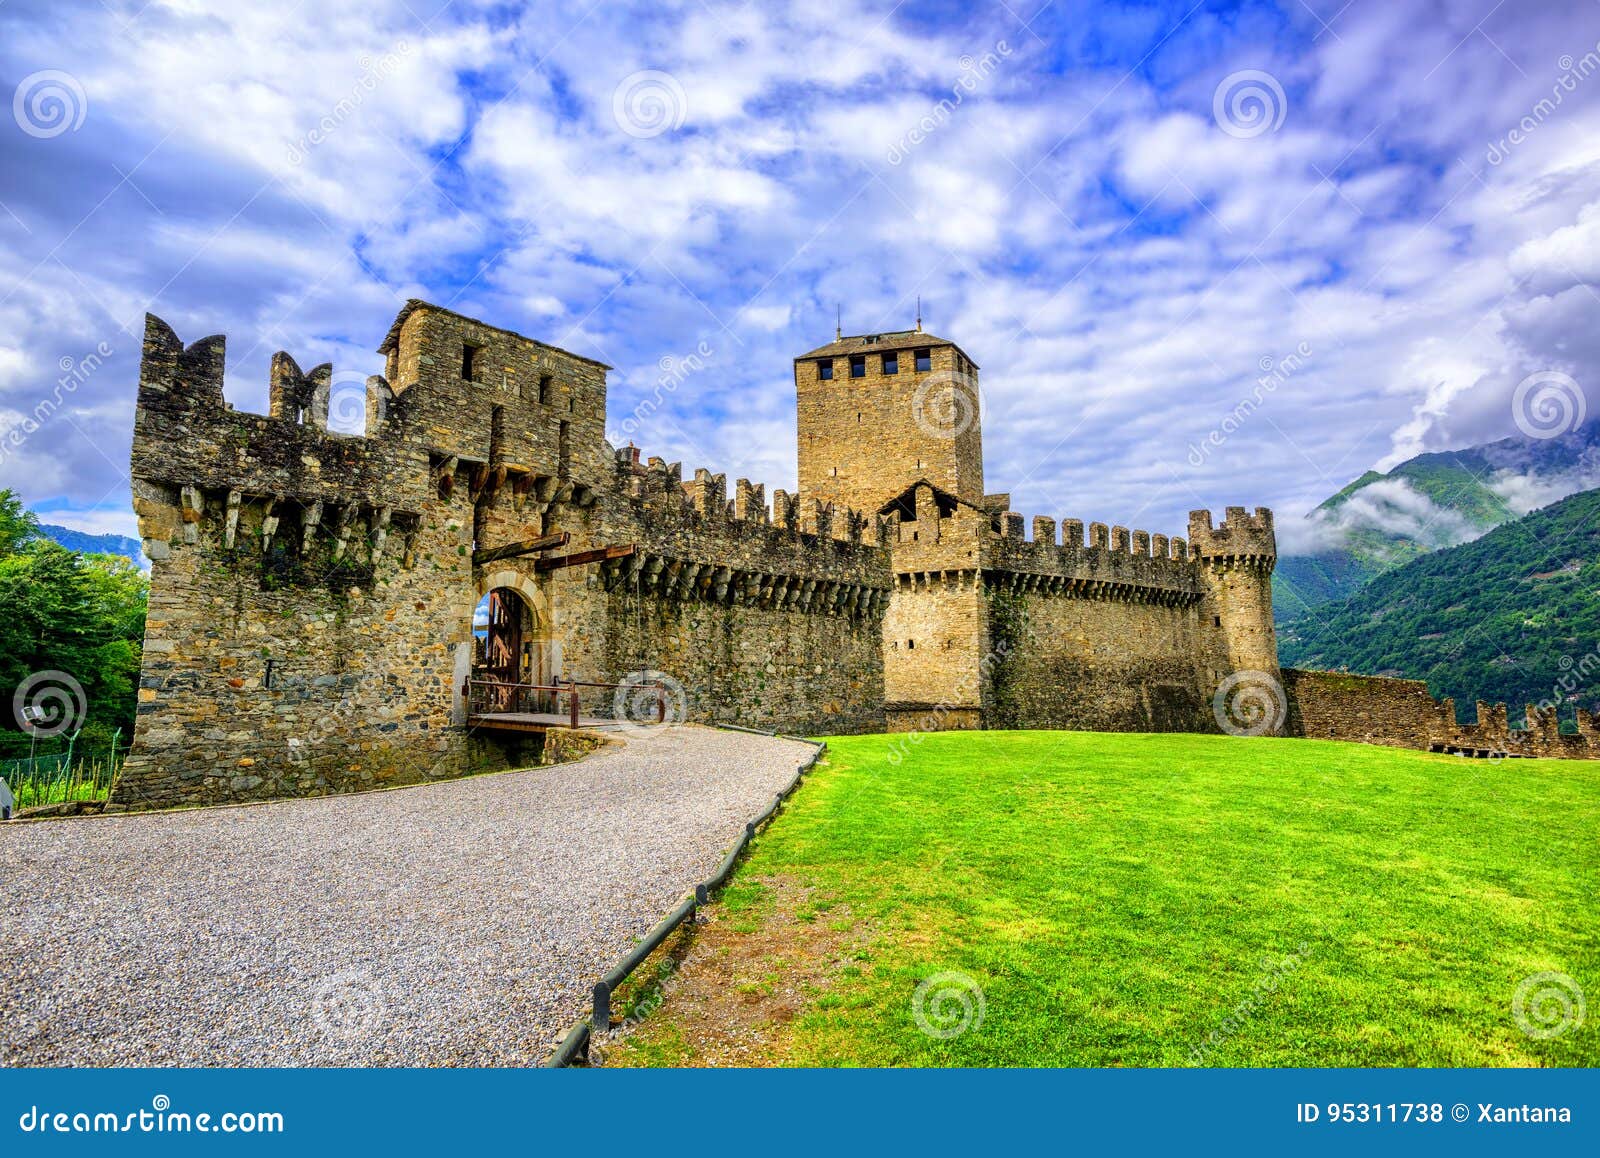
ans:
(825, 369)
(891, 363)
(469, 361)
(911, 645)
(924, 360)
(858, 365)
(544, 387)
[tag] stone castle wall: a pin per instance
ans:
(1400, 713)
(312, 593)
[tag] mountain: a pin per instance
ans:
(1383, 520)
(89, 544)
(1508, 616)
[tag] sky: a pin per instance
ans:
(1206, 254)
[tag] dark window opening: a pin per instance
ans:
(924, 360)
(825, 369)
(1216, 620)
(891, 363)
(469, 362)
(911, 645)
(544, 387)
(858, 365)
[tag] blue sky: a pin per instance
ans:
(1132, 214)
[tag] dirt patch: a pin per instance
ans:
(727, 993)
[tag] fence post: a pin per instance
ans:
(600, 1021)
(574, 704)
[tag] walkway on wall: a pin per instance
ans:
(459, 923)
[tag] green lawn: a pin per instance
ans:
(1134, 899)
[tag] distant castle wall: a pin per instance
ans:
(1400, 713)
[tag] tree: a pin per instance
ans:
(67, 612)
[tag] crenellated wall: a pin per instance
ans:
(312, 593)
(1400, 713)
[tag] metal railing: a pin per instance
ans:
(491, 697)
(575, 1044)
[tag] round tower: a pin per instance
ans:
(1235, 562)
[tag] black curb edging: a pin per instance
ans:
(575, 1044)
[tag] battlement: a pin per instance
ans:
(187, 436)
(1241, 538)
(1114, 562)
(659, 489)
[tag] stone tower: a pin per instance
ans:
(1235, 564)
(878, 412)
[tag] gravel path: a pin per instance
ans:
(450, 924)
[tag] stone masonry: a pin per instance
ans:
(313, 593)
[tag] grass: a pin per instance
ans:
(49, 783)
(1165, 900)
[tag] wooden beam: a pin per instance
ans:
(514, 550)
(578, 559)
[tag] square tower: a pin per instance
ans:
(878, 412)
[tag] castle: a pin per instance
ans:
(331, 612)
